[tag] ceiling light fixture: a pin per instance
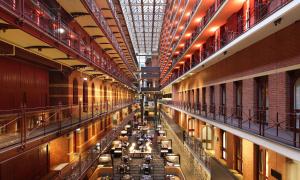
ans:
(198, 20)
(60, 30)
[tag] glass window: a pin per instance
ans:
(75, 91)
(85, 96)
(224, 145)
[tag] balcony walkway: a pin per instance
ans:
(217, 170)
(41, 129)
(77, 168)
(275, 131)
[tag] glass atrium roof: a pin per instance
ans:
(144, 20)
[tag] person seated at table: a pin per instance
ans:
(148, 158)
(126, 177)
(125, 159)
(124, 168)
(146, 169)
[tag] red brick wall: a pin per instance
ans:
(278, 96)
(262, 56)
(229, 98)
(248, 91)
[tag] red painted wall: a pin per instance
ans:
(22, 82)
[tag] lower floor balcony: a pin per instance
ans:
(21, 126)
(281, 128)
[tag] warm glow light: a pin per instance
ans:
(188, 14)
(188, 55)
(85, 79)
(61, 30)
(181, 62)
(188, 34)
(181, 27)
(213, 29)
(198, 20)
(180, 10)
(181, 45)
(177, 52)
(198, 45)
(176, 37)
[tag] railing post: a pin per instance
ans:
(23, 124)
(249, 118)
(263, 123)
(277, 124)
(295, 129)
(79, 109)
(59, 114)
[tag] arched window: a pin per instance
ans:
(75, 91)
(85, 96)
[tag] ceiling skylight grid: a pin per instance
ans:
(144, 20)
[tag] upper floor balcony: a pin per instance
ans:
(150, 89)
(115, 8)
(245, 22)
(43, 31)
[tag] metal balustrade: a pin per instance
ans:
(175, 30)
(204, 21)
(78, 168)
(194, 144)
(17, 126)
(257, 14)
(130, 49)
(281, 127)
(49, 22)
(101, 20)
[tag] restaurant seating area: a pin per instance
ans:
(141, 152)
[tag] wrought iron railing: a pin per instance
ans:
(281, 127)
(194, 144)
(255, 15)
(17, 126)
(49, 22)
(78, 168)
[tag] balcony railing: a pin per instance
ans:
(101, 20)
(194, 144)
(256, 15)
(17, 126)
(204, 21)
(281, 127)
(150, 88)
(79, 167)
(114, 11)
(176, 26)
(44, 19)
